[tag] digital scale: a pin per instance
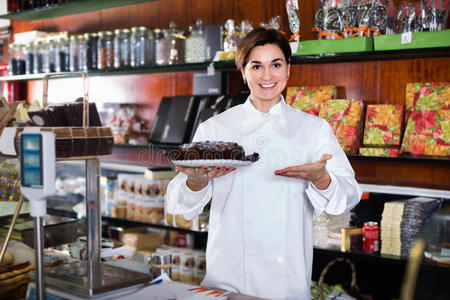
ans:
(80, 280)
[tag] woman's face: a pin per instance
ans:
(266, 73)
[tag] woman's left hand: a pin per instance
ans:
(315, 172)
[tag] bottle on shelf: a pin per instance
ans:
(139, 46)
(29, 58)
(62, 55)
(90, 51)
(161, 53)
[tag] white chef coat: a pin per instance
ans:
(260, 239)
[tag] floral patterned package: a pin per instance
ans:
(381, 152)
(344, 116)
(309, 98)
(383, 125)
(427, 96)
(427, 133)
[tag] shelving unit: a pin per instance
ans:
(67, 8)
(377, 76)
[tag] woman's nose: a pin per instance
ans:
(267, 73)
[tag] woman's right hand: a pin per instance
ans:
(198, 177)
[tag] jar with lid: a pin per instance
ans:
(38, 65)
(12, 65)
(174, 40)
(122, 48)
(105, 50)
(161, 52)
(20, 59)
(29, 58)
(139, 46)
(50, 63)
(90, 51)
(195, 49)
(74, 59)
(62, 55)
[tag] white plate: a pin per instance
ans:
(212, 163)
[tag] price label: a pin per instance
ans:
(294, 47)
(406, 37)
(210, 70)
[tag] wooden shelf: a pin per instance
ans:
(68, 8)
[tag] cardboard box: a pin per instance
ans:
(425, 39)
(426, 96)
(383, 125)
(345, 117)
(309, 98)
(137, 241)
(351, 239)
(427, 133)
(354, 44)
(379, 152)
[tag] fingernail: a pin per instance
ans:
(226, 169)
(218, 168)
(205, 168)
(233, 169)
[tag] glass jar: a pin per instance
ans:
(29, 58)
(195, 49)
(139, 46)
(161, 52)
(122, 48)
(50, 62)
(174, 40)
(19, 59)
(73, 53)
(90, 51)
(62, 55)
(38, 65)
(105, 50)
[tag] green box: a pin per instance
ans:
(426, 39)
(354, 44)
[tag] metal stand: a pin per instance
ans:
(94, 230)
(39, 257)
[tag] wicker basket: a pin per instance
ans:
(353, 285)
(76, 142)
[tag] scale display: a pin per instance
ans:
(31, 160)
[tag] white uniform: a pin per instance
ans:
(260, 239)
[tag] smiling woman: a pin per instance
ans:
(261, 218)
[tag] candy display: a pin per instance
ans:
(294, 19)
(427, 96)
(9, 187)
(344, 116)
(402, 223)
(379, 152)
(427, 133)
(309, 98)
(383, 125)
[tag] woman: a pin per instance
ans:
(260, 239)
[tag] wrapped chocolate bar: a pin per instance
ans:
(427, 96)
(383, 125)
(427, 133)
(309, 98)
(379, 152)
(344, 116)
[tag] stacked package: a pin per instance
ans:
(327, 229)
(344, 116)
(382, 130)
(427, 108)
(309, 98)
(427, 96)
(402, 223)
(427, 133)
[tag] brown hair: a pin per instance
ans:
(261, 37)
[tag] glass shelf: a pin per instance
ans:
(68, 8)
(147, 147)
(230, 65)
(119, 221)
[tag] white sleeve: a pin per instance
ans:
(180, 199)
(343, 193)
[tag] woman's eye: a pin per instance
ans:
(276, 65)
(256, 67)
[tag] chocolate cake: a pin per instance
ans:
(211, 151)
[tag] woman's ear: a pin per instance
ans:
(243, 77)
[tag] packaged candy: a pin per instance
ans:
(427, 96)
(309, 98)
(344, 116)
(379, 152)
(427, 133)
(383, 125)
